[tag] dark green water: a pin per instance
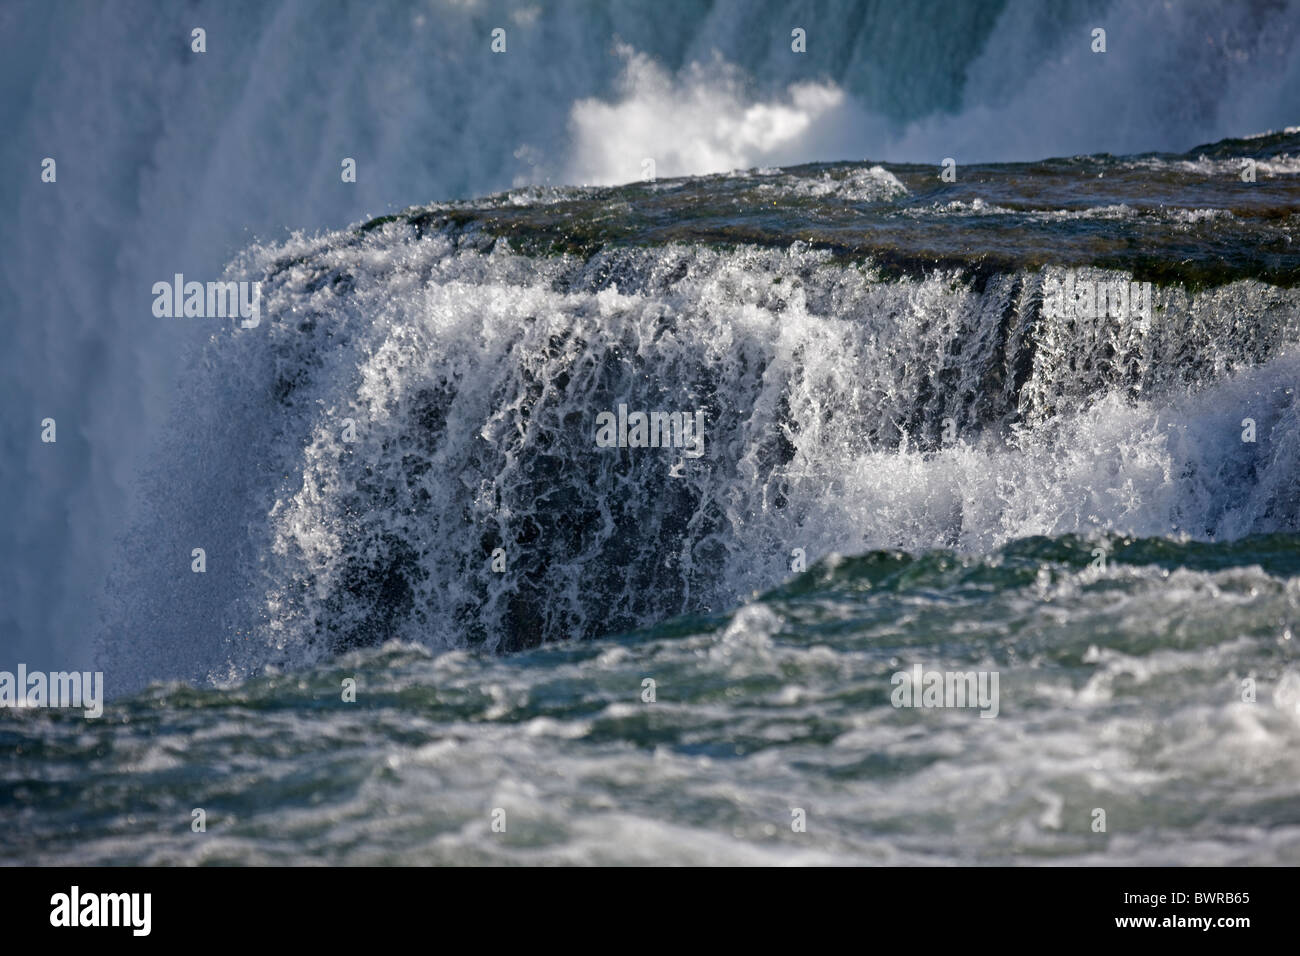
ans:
(1120, 689)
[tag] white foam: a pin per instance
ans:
(698, 123)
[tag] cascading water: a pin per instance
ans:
(172, 161)
(406, 447)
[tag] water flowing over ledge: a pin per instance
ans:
(869, 348)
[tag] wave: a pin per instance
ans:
(406, 448)
(1039, 561)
